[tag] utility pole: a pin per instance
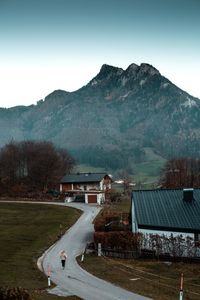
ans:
(181, 288)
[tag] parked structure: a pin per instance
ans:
(86, 187)
(167, 211)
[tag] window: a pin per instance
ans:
(197, 239)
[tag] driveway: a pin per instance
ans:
(73, 280)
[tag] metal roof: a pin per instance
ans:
(166, 210)
(83, 177)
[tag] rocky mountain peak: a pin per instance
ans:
(139, 72)
(131, 70)
(148, 69)
(132, 67)
(107, 71)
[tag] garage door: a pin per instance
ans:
(92, 198)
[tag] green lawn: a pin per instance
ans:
(26, 231)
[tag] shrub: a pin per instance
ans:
(114, 197)
(112, 221)
(16, 293)
(118, 240)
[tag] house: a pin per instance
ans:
(167, 212)
(88, 187)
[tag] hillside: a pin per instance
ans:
(114, 120)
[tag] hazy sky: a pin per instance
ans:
(61, 44)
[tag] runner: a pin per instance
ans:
(63, 257)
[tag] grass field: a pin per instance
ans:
(123, 207)
(154, 279)
(147, 173)
(26, 231)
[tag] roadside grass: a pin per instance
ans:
(150, 278)
(26, 231)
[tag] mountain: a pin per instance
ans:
(111, 121)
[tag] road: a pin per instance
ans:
(73, 280)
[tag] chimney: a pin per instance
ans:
(188, 195)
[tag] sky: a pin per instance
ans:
(47, 45)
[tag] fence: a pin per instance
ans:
(168, 248)
(120, 253)
(146, 254)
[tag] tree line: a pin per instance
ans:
(37, 166)
(32, 166)
(181, 172)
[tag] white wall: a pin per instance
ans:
(182, 244)
(166, 233)
(100, 198)
(88, 186)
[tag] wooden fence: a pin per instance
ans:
(120, 253)
(146, 254)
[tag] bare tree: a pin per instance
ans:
(126, 178)
(9, 163)
(37, 165)
(181, 172)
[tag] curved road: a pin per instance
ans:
(73, 280)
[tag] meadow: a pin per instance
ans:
(151, 278)
(26, 231)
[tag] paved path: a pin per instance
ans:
(74, 280)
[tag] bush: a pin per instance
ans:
(114, 197)
(118, 240)
(15, 293)
(112, 221)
